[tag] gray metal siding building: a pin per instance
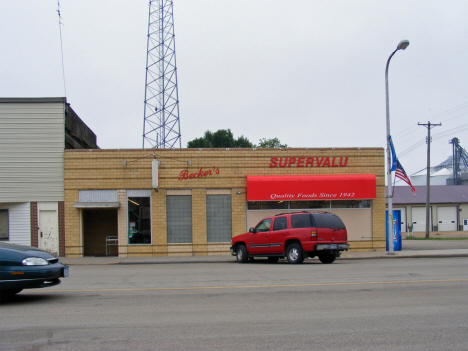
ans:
(34, 132)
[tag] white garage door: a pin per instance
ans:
(418, 214)
(403, 218)
(447, 217)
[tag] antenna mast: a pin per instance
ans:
(161, 128)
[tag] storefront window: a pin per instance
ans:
(351, 204)
(267, 205)
(139, 220)
(309, 204)
(4, 225)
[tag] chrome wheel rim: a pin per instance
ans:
(239, 254)
(293, 254)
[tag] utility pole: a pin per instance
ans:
(429, 125)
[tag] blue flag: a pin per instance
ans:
(394, 158)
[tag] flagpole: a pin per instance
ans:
(401, 46)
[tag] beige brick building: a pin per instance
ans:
(161, 202)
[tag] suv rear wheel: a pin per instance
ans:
(294, 254)
(327, 258)
(241, 254)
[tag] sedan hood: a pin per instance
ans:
(27, 251)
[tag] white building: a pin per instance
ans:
(436, 177)
(448, 208)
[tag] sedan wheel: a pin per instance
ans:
(8, 294)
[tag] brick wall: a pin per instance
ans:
(73, 227)
(199, 238)
(210, 169)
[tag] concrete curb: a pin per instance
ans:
(413, 255)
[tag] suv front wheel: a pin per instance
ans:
(294, 254)
(242, 254)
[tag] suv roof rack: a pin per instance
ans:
(281, 214)
(312, 211)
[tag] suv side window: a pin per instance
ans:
(328, 221)
(263, 226)
(301, 221)
(280, 223)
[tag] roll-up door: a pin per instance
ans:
(447, 219)
(418, 214)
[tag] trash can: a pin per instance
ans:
(396, 230)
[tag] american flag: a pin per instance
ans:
(400, 173)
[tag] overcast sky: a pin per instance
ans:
(309, 72)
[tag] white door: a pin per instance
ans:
(418, 215)
(403, 218)
(447, 219)
(48, 227)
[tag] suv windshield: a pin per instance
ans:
(263, 226)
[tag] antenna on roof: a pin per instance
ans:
(61, 46)
(161, 128)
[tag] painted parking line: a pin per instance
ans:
(258, 286)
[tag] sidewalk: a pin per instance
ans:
(89, 260)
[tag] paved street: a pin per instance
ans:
(379, 304)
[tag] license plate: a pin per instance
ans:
(333, 246)
(65, 272)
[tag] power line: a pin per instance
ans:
(413, 127)
(451, 131)
(411, 148)
(454, 109)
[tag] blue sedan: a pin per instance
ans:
(25, 267)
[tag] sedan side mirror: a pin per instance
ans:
(252, 230)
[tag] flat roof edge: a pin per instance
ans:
(264, 150)
(32, 99)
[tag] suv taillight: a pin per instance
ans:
(313, 235)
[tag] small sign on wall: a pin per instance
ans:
(155, 173)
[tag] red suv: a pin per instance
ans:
(295, 236)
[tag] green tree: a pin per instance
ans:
(271, 143)
(220, 139)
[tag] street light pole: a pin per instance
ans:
(401, 46)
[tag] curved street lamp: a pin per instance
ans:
(401, 46)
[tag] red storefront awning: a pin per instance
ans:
(311, 187)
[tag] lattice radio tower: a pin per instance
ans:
(161, 128)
